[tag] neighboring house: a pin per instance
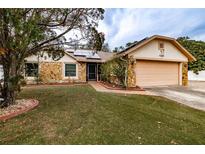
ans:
(196, 77)
(157, 60)
(75, 66)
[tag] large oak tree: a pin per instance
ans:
(25, 32)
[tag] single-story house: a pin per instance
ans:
(157, 60)
(75, 66)
(153, 61)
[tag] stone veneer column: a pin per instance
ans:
(185, 74)
(131, 77)
(82, 71)
(51, 72)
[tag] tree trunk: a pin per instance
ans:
(9, 89)
(8, 95)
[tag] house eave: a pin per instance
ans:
(174, 41)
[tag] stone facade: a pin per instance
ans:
(131, 77)
(50, 72)
(82, 72)
(185, 74)
(53, 72)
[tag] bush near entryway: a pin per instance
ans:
(114, 71)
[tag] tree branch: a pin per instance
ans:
(59, 24)
(60, 35)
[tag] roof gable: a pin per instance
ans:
(151, 51)
(145, 41)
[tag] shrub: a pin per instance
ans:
(114, 71)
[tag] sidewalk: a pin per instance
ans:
(101, 88)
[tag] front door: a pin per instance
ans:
(92, 71)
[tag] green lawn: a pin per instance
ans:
(80, 115)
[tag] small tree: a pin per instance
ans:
(25, 32)
(116, 68)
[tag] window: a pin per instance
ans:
(70, 70)
(161, 45)
(31, 69)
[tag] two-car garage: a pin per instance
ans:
(157, 73)
(158, 61)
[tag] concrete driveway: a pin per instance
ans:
(193, 95)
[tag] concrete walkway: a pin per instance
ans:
(98, 87)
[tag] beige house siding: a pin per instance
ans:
(46, 58)
(151, 51)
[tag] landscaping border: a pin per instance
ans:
(16, 113)
(120, 88)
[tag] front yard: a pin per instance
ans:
(80, 115)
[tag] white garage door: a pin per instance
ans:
(156, 73)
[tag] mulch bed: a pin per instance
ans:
(20, 107)
(117, 87)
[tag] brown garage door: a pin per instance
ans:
(154, 73)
